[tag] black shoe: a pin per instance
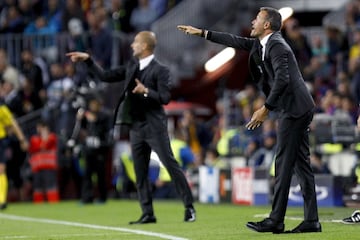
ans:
(190, 215)
(307, 227)
(3, 206)
(145, 219)
(266, 225)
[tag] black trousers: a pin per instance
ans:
(143, 139)
(95, 162)
(293, 156)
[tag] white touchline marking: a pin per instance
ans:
(14, 237)
(92, 226)
(58, 235)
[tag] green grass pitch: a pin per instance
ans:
(68, 220)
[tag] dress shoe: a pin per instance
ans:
(190, 215)
(266, 225)
(3, 206)
(307, 227)
(145, 219)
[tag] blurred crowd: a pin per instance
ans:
(329, 61)
(53, 16)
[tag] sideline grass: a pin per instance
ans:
(219, 221)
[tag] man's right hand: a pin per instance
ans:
(78, 56)
(189, 30)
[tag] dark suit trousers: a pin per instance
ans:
(143, 138)
(293, 156)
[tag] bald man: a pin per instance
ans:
(146, 90)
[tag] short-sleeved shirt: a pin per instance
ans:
(5, 120)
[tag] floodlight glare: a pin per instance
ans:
(219, 59)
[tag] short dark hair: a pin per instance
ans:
(43, 123)
(274, 17)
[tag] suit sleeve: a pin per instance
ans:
(280, 64)
(163, 84)
(231, 40)
(114, 75)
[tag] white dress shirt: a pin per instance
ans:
(145, 61)
(263, 44)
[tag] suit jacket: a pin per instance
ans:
(155, 77)
(278, 75)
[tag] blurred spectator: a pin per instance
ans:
(120, 14)
(338, 45)
(7, 71)
(348, 106)
(53, 14)
(72, 10)
(13, 21)
(213, 159)
(213, 123)
(263, 157)
(197, 135)
(76, 40)
(4, 9)
(318, 47)
(44, 38)
(298, 42)
(319, 73)
(317, 164)
(343, 84)
(182, 152)
(43, 162)
(27, 11)
(94, 137)
(94, 4)
(160, 6)
(30, 100)
(232, 141)
(143, 16)
(100, 39)
(11, 98)
(59, 86)
(33, 73)
(252, 147)
(354, 64)
(352, 14)
(59, 92)
(326, 102)
(336, 103)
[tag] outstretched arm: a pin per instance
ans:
(191, 30)
(78, 56)
(106, 76)
(223, 38)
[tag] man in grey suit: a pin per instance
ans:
(146, 90)
(275, 70)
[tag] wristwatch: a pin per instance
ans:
(146, 92)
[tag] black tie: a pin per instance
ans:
(260, 51)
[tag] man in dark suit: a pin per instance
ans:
(275, 70)
(146, 90)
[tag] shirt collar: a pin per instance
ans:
(265, 40)
(145, 61)
(263, 44)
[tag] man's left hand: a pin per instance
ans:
(257, 118)
(139, 88)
